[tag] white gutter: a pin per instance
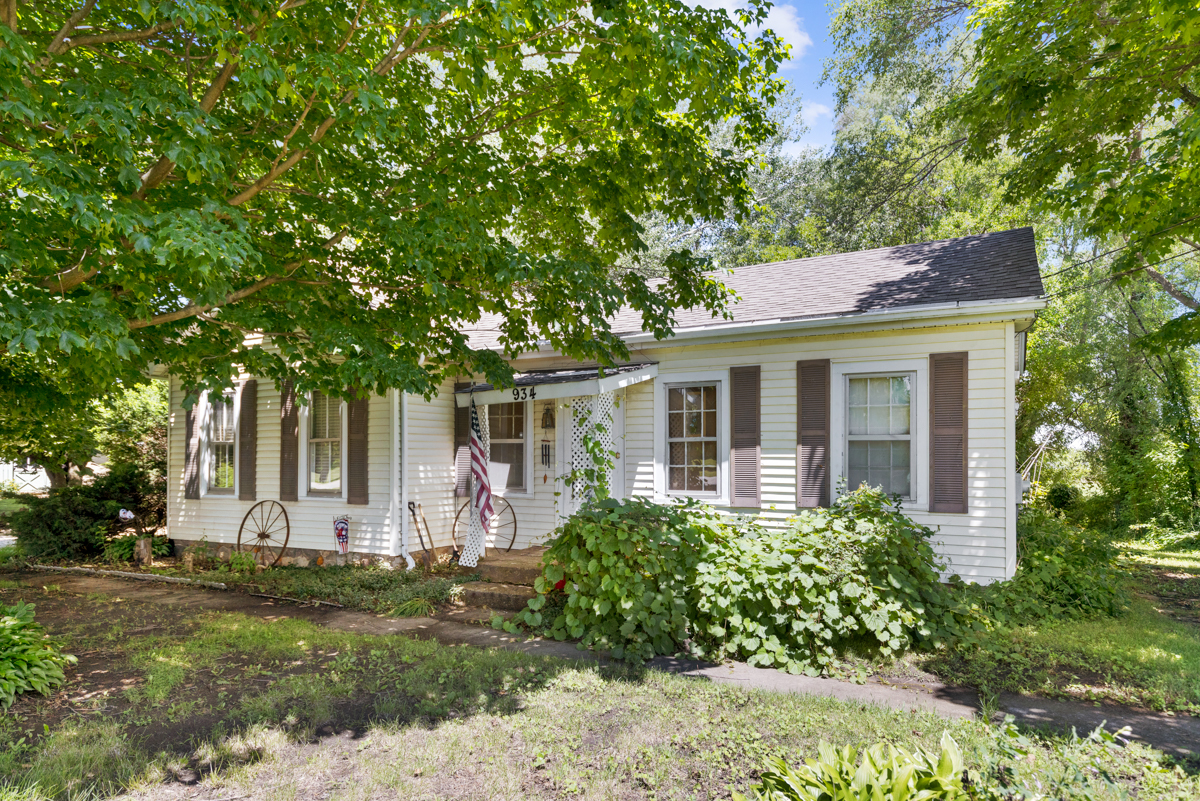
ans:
(1022, 307)
(561, 389)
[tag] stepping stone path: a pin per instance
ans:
(508, 578)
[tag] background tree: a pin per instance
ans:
(358, 181)
(44, 419)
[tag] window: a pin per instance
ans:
(506, 423)
(879, 433)
(221, 422)
(692, 439)
(324, 445)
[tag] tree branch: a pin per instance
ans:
(8, 13)
(1172, 290)
(193, 309)
(56, 44)
(119, 36)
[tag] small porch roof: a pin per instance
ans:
(553, 384)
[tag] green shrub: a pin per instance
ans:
(894, 775)
(857, 572)
(627, 567)
(121, 549)
(1064, 571)
(76, 521)
(29, 661)
(643, 579)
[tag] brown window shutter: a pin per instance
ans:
(745, 440)
(191, 455)
(812, 433)
(948, 432)
(248, 441)
(462, 447)
(289, 444)
(356, 451)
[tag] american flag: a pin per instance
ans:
(479, 469)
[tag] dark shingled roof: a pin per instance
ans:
(996, 266)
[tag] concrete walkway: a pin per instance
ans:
(1177, 735)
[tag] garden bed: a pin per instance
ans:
(168, 703)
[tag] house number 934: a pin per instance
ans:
(524, 393)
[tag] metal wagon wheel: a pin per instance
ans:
(264, 532)
(503, 529)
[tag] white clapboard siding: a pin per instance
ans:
(216, 518)
(975, 543)
(430, 463)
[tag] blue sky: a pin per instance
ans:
(803, 25)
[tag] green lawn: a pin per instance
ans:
(1148, 657)
(163, 699)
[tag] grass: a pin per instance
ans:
(397, 593)
(280, 709)
(1148, 657)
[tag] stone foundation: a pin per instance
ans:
(309, 557)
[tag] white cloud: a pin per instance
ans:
(790, 27)
(783, 19)
(814, 111)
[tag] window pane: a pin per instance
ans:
(676, 478)
(325, 466)
(877, 420)
(710, 454)
(899, 420)
(900, 390)
(710, 424)
(221, 469)
(675, 424)
(879, 391)
(858, 456)
(692, 399)
(858, 392)
(858, 419)
(695, 453)
(675, 399)
(884, 464)
(695, 479)
(676, 455)
(693, 424)
(513, 455)
(318, 412)
(710, 399)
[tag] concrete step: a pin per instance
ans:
(513, 567)
(509, 573)
(493, 595)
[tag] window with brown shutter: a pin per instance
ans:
(948, 432)
(745, 396)
(812, 433)
(191, 455)
(289, 444)
(462, 447)
(248, 441)
(356, 451)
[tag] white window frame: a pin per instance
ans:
(303, 490)
(842, 372)
(662, 384)
(205, 413)
(528, 488)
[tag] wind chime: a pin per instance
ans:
(547, 451)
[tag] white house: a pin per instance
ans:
(894, 366)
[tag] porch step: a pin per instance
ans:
(494, 595)
(512, 567)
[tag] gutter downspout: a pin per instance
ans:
(402, 490)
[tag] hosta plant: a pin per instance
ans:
(883, 774)
(29, 660)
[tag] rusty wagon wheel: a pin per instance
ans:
(264, 532)
(503, 530)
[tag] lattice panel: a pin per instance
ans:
(473, 546)
(588, 414)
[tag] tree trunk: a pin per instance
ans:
(59, 478)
